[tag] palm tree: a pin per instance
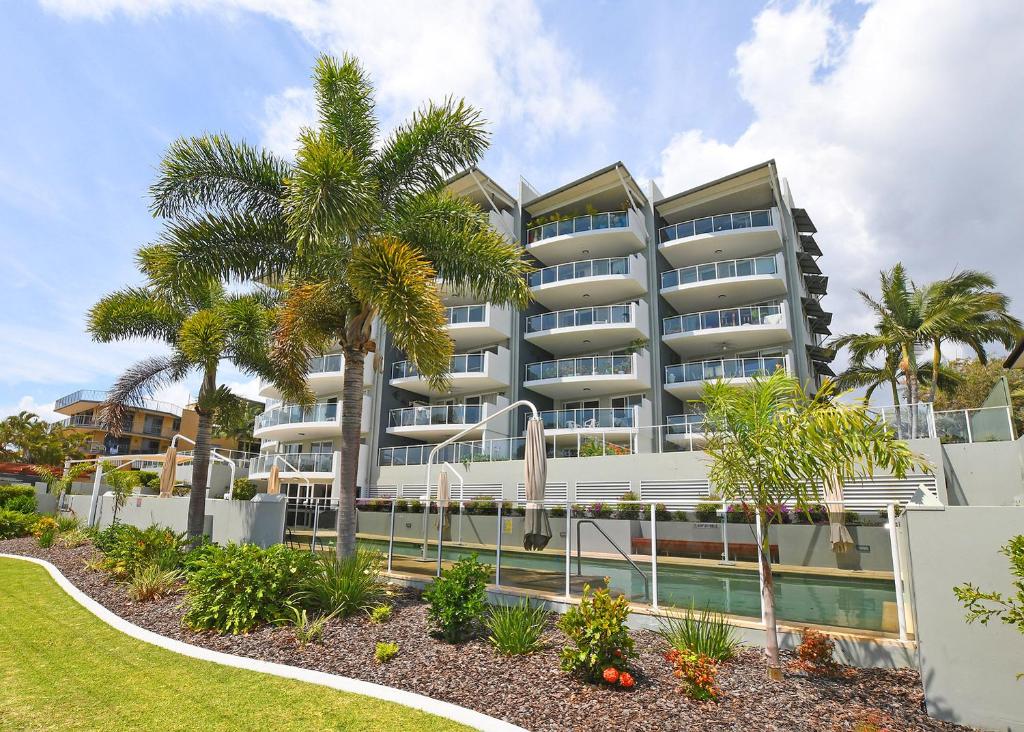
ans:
(357, 230)
(770, 444)
(202, 325)
(966, 309)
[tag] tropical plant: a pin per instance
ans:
(13, 491)
(25, 438)
(815, 654)
(241, 586)
(703, 632)
(235, 417)
(129, 549)
(68, 523)
(696, 672)
(771, 444)
(15, 524)
(343, 587)
(597, 631)
(357, 230)
(384, 651)
(974, 383)
(202, 324)
(984, 606)
(380, 614)
(243, 489)
(73, 538)
(22, 504)
(122, 483)
(457, 598)
(152, 582)
(305, 628)
(516, 630)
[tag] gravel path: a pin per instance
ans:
(531, 691)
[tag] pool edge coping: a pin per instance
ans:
(412, 700)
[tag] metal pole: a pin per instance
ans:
(391, 533)
(440, 524)
(760, 566)
(497, 558)
(725, 534)
(967, 421)
(568, 543)
(897, 571)
(654, 558)
(316, 522)
(97, 481)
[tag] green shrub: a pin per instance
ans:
(151, 582)
(597, 630)
(344, 587)
(401, 506)
(707, 512)
(704, 633)
(679, 516)
(380, 614)
(129, 549)
(73, 538)
(629, 510)
(661, 512)
(458, 598)
(305, 628)
(149, 479)
(46, 537)
(558, 511)
(241, 586)
(516, 629)
(68, 523)
(21, 504)
(15, 524)
(243, 489)
(9, 491)
(384, 652)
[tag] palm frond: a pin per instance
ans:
(138, 382)
(307, 318)
(344, 100)
(135, 312)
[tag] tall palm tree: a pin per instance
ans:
(357, 230)
(203, 325)
(966, 309)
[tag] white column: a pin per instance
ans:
(97, 481)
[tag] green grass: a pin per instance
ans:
(62, 668)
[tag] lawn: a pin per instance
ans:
(62, 668)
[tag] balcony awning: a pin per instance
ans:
(812, 307)
(809, 245)
(820, 327)
(820, 354)
(823, 369)
(807, 264)
(816, 284)
(804, 225)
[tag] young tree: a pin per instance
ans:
(771, 444)
(974, 382)
(203, 325)
(25, 438)
(357, 230)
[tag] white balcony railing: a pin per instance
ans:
(578, 224)
(589, 419)
(726, 318)
(93, 395)
(726, 269)
(303, 462)
(466, 314)
(723, 368)
(463, 363)
(583, 366)
(295, 414)
(714, 224)
(579, 270)
(581, 317)
(442, 414)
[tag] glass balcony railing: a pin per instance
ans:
(579, 270)
(719, 271)
(463, 363)
(684, 424)
(451, 414)
(330, 363)
(585, 366)
(585, 419)
(91, 421)
(295, 414)
(609, 220)
(730, 317)
(93, 395)
(478, 451)
(712, 224)
(466, 314)
(576, 317)
(725, 368)
(303, 462)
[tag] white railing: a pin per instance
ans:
(463, 363)
(578, 224)
(726, 318)
(460, 314)
(712, 224)
(722, 270)
(581, 317)
(442, 414)
(723, 368)
(579, 270)
(590, 419)
(303, 462)
(585, 366)
(297, 414)
(328, 363)
(93, 395)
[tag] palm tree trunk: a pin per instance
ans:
(768, 602)
(201, 457)
(351, 418)
(894, 385)
(936, 356)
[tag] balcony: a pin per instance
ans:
(93, 396)
(612, 424)
(293, 422)
(686, 380)
(306, 464)
(594, 281)
(325, 375)
(473, 326)
(583, 329)
(733, 280)
(733, 329)
(589, 376)
(684, 432)
(438, 422)
(600, 235)
(740, 234)
(469, 373)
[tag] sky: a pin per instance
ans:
(896, 123)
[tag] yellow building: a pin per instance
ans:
(147, 430)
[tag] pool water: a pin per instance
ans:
(842, 601)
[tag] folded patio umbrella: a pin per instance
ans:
(537, 529)
(444, 498)
(840, 536)
(167, 473)
(274, 480)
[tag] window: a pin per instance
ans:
(321, 447)
(590, 404)
(624, 402)
(153, 424)
(291, 448)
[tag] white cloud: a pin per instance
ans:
(900, 137)
(29, 404)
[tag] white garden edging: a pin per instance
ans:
(410, 699)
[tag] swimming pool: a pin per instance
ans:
(844, 601)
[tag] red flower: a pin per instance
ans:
(626, 680)
(611, 675)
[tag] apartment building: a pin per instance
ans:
(147, 429)
(638, 299)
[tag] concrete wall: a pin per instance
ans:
(251, 522)
(968, 671)
(984, 473)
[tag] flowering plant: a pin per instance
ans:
(697, 673)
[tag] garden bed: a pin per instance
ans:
(531, 691)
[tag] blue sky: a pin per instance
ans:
(894, 121)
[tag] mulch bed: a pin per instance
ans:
(531, 691)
